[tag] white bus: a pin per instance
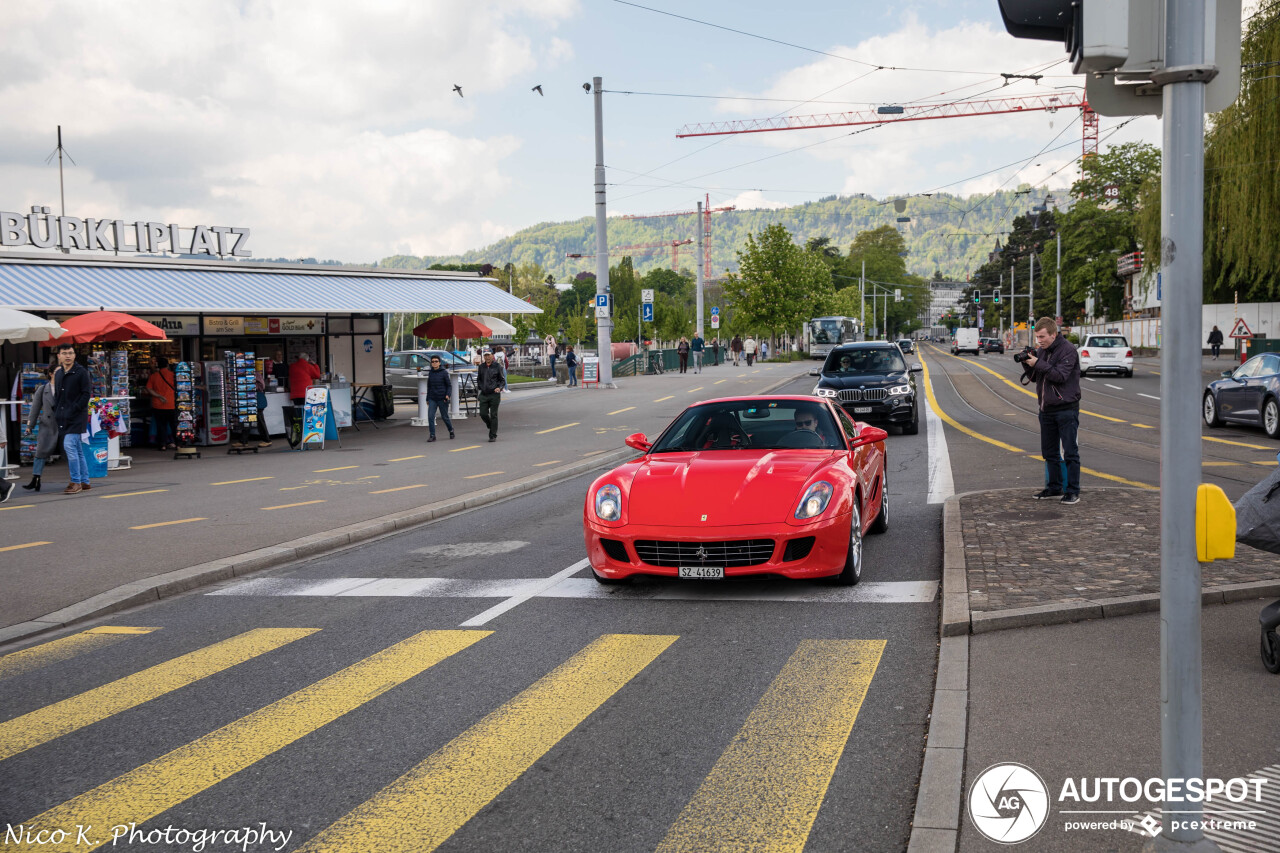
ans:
(823, 333)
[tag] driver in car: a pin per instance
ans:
(808, 421)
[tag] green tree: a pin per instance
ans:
(779, 285)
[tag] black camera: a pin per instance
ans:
(1021, 357)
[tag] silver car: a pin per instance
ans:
(403, 368)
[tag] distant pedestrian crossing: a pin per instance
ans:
(769, 783)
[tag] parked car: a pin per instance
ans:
(992, 345)
(1250, 394)
(906, 345)
(795, 484)
(1106, 353)
(870, 380)
(402, 368)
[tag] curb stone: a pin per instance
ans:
(179, 581)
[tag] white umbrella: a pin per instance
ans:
(498, 327)
(19, 327)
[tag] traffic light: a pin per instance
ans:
(977, 297)
(997, 296)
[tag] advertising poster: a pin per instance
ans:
(314, 414)
(590, 369)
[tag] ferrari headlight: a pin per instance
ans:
(899, 390)
(609, 503)
(826, 392)
(815, 500)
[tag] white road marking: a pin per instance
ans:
(1109, 385)
(562, 585)
(1148, 396)
(941, 483)
(1088, 379)
(471, 549)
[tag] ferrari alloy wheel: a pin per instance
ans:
(1211, 410)
(853, 560)
(1271, 650)
(881, 524)
(1271, 418)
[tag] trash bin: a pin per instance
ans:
(384, 402)
(292, 425)
(96, 454)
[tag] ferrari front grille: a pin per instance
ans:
(862, 395)
(739, 552)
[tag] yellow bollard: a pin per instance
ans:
(1215, 524)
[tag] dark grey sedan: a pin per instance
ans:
(403, 368)
(1250, 394)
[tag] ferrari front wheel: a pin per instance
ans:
(853, 559)
(881, 524)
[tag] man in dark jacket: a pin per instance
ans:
(490, 380)
(1215, 341)
(1055, 367)
(71, 411)
(439, 389)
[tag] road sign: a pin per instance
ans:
(715, 321)
(715, 310)
(1241, 330)
(647, 312)
(602, 306)
(646, 296)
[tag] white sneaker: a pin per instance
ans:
(6, 491)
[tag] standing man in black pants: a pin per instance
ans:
(1055, 367)
(490, 380)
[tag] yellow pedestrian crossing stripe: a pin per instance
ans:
(65, 648)
(765, 791)
(422, 808)
(159, 785)
(60, 718)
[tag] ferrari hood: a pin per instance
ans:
(721, 487)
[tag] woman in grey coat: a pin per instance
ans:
(47, 438)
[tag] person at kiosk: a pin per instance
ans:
(302, 373)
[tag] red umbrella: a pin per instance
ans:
(451, 326)
(107, 326)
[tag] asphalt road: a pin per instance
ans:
(541, 712)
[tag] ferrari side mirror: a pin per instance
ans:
(868, 435)
(638, 441)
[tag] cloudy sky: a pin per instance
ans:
(332, 130)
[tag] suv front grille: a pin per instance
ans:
(859, 395)
(739, 552)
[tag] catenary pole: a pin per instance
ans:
(702, 260)
(604, 325)
(1182, 242)
(1031, 295)
(862, 290)
(1057, 296)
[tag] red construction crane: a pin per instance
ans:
(707, 210)
(673, 245)
(911, 112)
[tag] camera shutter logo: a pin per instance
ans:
(1008, 803)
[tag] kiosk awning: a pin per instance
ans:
(74, 287)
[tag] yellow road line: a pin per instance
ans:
(468, 447)
(131, 494)
(399, 489)
(64, 648)
(421, 809)
(1270, 462)
(477, 476)
(24, 545)
(339, 468)
(718, 381)
(1142, 426)
(620, 411)
(1219, 464)
(20, 506)
(159, 785)
(544, 464)
(246, 480)
(553, 429)
(691, 390)
(1236, 443)
(765, 790)
(292, 488)
(369, 477)
(290, 506)
(662, 399)
(407, 458)
(60, 718)
(166, 523)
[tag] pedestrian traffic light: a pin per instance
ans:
(997, 296)
(977, 297)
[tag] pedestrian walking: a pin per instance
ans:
(1055, 367)
(552, 354)
(45, 425)
(72, 389)
(764, 350)
(163, 390)
(439, 390)
(682, 349)
(735, 346)
(1215, 341)
(696, 346)
(301, 374)
(490, 380)
(571, 364)
(749, 349)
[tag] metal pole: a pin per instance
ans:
(1182, 227)
(1031, 295)
(874, 328)
(702, 260)
(862, 290)
(604, 325)
(1013, 317)
(1057, 298)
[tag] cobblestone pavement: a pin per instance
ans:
(1021, 552)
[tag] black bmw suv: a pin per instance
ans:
(872, 382)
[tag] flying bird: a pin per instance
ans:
(537, 88)
(457, 89)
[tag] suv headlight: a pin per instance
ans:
(826, 392)
(898, 390)
(609, 503)
(815, 500)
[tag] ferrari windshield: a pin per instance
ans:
(880, 359)
(762, 424)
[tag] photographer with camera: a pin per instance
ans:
(1055, 367)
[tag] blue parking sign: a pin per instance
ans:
(602, 300)
(648, 312)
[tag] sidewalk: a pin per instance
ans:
(1082, 700)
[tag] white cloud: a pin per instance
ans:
(753, 200)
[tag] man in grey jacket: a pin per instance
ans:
(490, 380)
(1055, 367)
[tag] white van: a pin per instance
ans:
(967, 340)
